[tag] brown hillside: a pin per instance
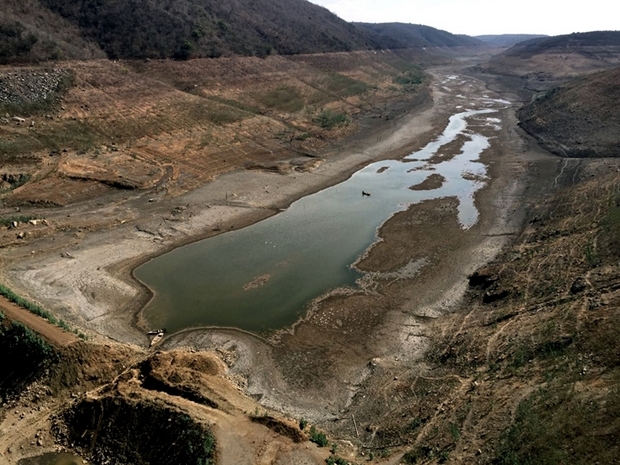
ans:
(139, 125)
(544, 63)
(580, 119)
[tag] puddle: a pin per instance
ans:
(262, 277)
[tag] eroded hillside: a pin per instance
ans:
(579, 119)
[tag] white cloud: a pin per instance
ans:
(475, 17)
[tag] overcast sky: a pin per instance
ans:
(477, 17)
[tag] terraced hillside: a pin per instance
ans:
(85, 129)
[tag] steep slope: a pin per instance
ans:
(209, 28)
(579, 119)
(527, 371)
(417, 35)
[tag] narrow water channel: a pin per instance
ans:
(261, 278)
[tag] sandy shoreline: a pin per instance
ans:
(96, 290)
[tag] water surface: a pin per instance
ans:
(261, 278)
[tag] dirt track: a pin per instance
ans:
(50, 332)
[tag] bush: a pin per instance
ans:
(24, 356)
(38, 310)
(13, 44)
(283, 98)
(329, 119)
(318, 437)
(332, 460)
(344, 86)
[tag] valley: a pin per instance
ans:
(461, 342)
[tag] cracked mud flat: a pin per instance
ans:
(316, 368)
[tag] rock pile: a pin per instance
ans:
(31, 86)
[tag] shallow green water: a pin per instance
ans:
(307, 250)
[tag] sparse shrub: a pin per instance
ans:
(8, 221)
(333, 460)
(410, 77)
(455, 432)
(344, 86)
(419, 453)
(302, 424)
(318, 437)
(329, 119)
(37, 310)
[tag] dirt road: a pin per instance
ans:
(48, 331)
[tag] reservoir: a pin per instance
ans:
(261, 278)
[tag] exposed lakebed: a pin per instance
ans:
(261, 278)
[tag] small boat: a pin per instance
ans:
(157, 339)
(155, 332)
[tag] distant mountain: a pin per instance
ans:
(55, 29)
(416, 35)
(565, 42)
(547, 61)
(579, 119)
(507, 40)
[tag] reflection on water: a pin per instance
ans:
(260, 278)
(53, 458)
